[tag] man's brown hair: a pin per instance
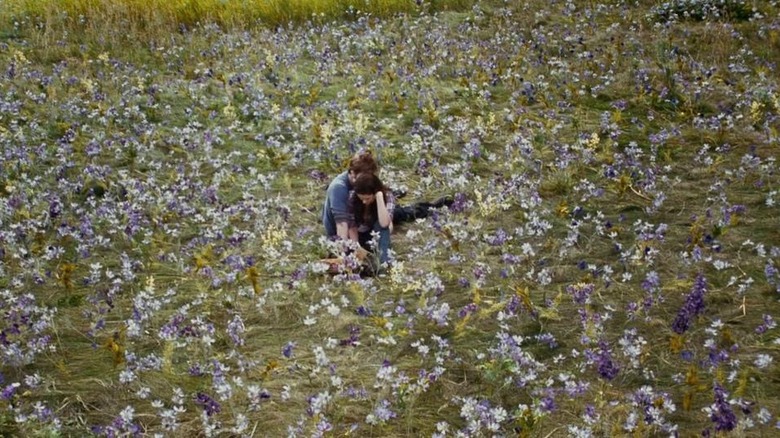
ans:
(363, 162)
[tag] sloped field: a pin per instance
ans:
(609, 266)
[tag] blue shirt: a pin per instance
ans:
(336, 208)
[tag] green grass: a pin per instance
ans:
(309, 123)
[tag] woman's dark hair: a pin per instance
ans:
(368, 184)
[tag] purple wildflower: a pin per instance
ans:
(591, 415)
(460, 203)
(55, 207)
(651, 282)
(9, 391)
(772, 275)
(209, 404)
(287, 350)
(720, 411)
(547, 339)
(363, 311)
(499, 238)
(196, 371)
(381, 414)
(620, 104)
(694, 306)
(547, 404)
(354, 337)
(318, 175)
(468, 309)
(581, 292)
(235, 329)
(607, 367)
(769, 323)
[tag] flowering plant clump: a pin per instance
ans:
(599, 253)
(703, 9)
(694, 306)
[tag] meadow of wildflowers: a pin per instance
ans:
(610, 265)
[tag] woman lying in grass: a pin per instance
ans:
(371, 206)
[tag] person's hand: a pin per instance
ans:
(380, 196)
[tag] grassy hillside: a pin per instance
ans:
(609, 266)
(118, 23)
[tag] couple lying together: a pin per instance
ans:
(358, 204)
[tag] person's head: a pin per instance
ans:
(366, 186)
(362, 162)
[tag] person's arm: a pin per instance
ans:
(385, 217)
(342, 230)
(338, 194)
(351, 231)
